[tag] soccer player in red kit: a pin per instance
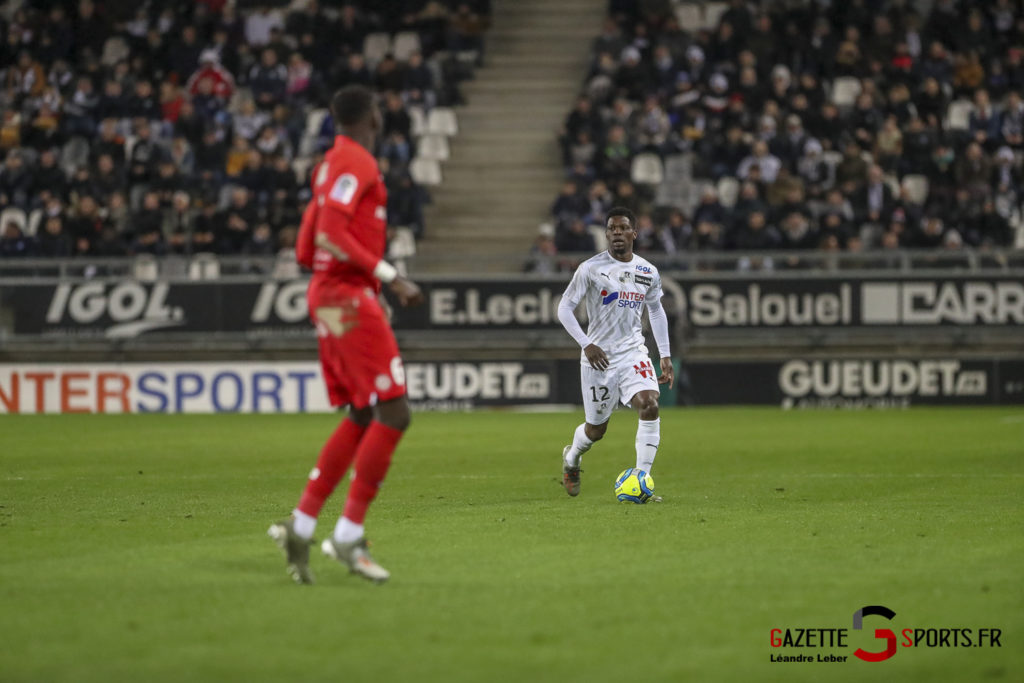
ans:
(342, 238)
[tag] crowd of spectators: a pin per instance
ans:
(843, 126)
(166, 127)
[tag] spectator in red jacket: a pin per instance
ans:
(211, 69)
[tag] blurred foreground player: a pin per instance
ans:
(342, 238)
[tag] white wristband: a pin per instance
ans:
(384, 271)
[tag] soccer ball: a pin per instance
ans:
(634, 486)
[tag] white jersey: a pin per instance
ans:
(615, 293)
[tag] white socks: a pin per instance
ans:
(648, 436)
(304, 525)
(347, 531)
(580, 445)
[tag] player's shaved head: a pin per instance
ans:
(352, 105)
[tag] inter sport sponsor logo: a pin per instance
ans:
(280, 387)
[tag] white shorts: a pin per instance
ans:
(603, 391)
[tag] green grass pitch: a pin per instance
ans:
(133, 549)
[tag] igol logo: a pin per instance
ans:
(607, 298)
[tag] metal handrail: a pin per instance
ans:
(764, 264)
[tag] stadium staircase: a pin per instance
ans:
(505, 167)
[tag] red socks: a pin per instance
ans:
(336, 456)
(373, 457)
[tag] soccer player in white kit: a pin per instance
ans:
(615, 366)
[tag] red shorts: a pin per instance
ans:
(358, 351)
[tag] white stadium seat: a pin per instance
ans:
(405, 44)
(647, 169)
(433, 147)
(728, 191)
(425, 171)
(204, 267)
(442, 121)
(845, 90)
(713, 12)
(689, 16)
(300, 167)
(375, 46)
(958, 115)
(35, 219)
(402, 244)
(15, 215)
(679, 167)
(832, 157)
(600, 237)
(418, 121)
(145, 268)
(916, 186)
(74, 154)
(315, 120)
(285, 267)
(893, 182)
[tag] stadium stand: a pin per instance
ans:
(910, 112)
(165, 128)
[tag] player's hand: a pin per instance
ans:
(596, 357)
(407, 291)
(668, 374)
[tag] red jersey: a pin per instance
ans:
(348, 209)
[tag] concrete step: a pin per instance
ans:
(473, 217)
(492, 233)
(491, 178)
(536, 138)
(536, 88)
(514, 249)
(498, 214)
(483, 236)
(506, 167)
